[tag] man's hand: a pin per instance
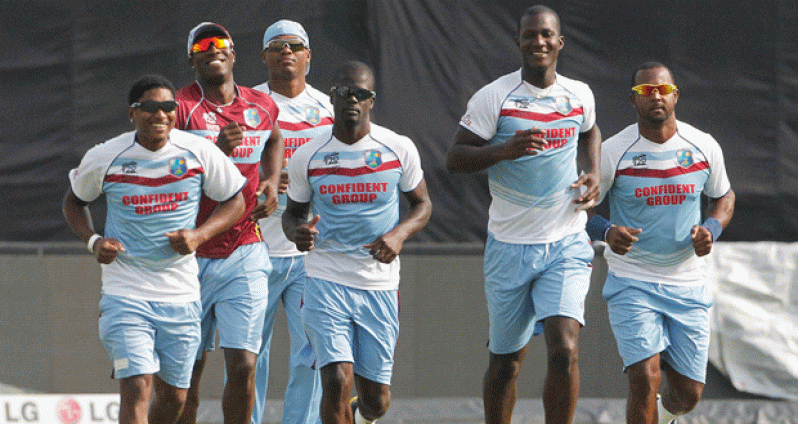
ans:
(282, 186)
(269, 205)
(106, 249)
(524, 143)
(385, 248)
(621, 239)
(306, 235)
(230, 137)
(587, 199)
(184, 241)
(702, 240)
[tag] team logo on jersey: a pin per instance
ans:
(563, 105)
(522, 103)
(373, 159)
(312, 115)
(178, 166)
(129, 168)
(684, 158)
(251, 117)
(209, 117)
(639, 160)
(331, 159)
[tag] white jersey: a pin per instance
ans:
(355, 190)
(302, 118)
(657, 187)
(147, 194)
(532, 198)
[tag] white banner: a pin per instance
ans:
(59, 409)
(755, 317)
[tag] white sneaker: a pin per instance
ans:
(665, 417)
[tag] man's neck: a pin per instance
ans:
(351, 134)
(538, 77)
(220, 94)
(657, 132)
(288, 87)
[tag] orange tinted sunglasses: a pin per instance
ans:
(648, 89)
(205, 44)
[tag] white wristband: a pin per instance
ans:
(92, 240)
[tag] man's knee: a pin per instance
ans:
(686, 397)
(505, 367)
(375, 405)
(564, 355)
(645, 375)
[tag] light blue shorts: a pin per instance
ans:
(650, 318)
(144, 337)
(235, 293)
(286, 286)
(345, 324)
(527, 283)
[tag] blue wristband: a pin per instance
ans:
(714, 227)
(597, 227)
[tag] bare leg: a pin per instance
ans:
(499, 386)
(373, 398)
(561, 390)
(134, 394)
(336, 381)
(168, 403)
(238, 398)
(682, 394)
(644, 380)
(189, 415)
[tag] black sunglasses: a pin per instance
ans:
(346, 92)
(279, 45)
(151, 106)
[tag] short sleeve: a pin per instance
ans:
(482, 113)
(589, 108)
(608, 165)
(299, 189)
(87, 179)
(717, 184)
(412, 174)
(222, 179)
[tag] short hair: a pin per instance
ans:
(352, 67)
(146, 83)
(540, 9)
(650, 65)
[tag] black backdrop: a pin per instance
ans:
(67, 66)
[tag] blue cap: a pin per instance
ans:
(286, 27)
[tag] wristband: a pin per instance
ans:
(714, 227)
(92, 240)
(597, 227)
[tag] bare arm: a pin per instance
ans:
(388, 246)
(471, 153)
(185, 241)
(271, 166)
(76, 213)
(297, 228)
(588, 160)
(721, 209)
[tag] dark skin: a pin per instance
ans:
(657, 123)
(540, 42)
(214, 69)
(351, 125)
(152, 132)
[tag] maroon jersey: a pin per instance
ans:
(257, 113)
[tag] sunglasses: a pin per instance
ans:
(205, 44)
(346, 92)
(151, 106)
(648, 89)
(279, 45)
